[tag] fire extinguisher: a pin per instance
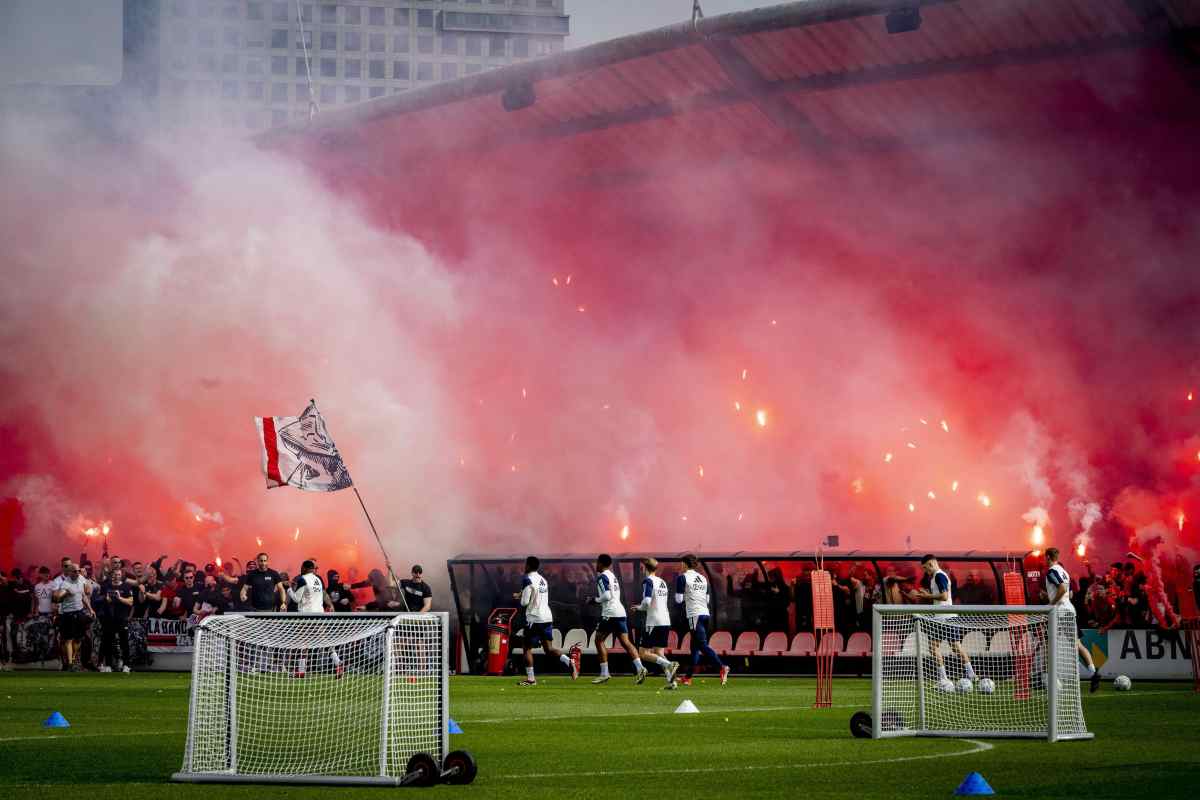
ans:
(499, 634)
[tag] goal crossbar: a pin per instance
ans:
(975, 670)
(316, 698)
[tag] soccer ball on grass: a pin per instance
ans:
(1122, 683)
(965, 686)
(986, 686)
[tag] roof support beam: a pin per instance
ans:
(758, 92)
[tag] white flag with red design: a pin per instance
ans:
(298, 451)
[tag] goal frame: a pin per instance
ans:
(382, 778)
(1051, 612)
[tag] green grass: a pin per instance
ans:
(756, 737)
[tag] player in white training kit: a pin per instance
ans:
(691, 589)
(939, 594)
(1058, 592)
(539, 622)
(612, 620)
(310, 597)
(658, 621)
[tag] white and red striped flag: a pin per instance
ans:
(298, 451)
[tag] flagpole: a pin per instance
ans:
(387, 561)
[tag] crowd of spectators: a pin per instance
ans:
(92, 615)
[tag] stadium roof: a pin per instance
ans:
(819, 77)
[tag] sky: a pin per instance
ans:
(598, 20)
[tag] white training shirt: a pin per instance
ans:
(309, 598)
(938, 584)
(535, 598)
(1057, 576)
(73, 599)
(608, 592)
(654, 602)
(43, 592)
(691, 589)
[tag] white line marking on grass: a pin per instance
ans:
(83, 735)
(976, 747)
(664, 710)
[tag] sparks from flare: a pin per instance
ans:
(911, 507)
(296, 535)
(1081, 549)
(197, 518)
(1180, 520)
(259, 540)
(887, 458)
(931, 495)
(910, 446)
(945, 427)
(218, 561)
(1189, 396)
(700, 470)
(737, 406)
(954, 486)
(985, 500)
(1039, 536)
(745, 373)
(625, 533)
(761, 417)
(857, 485)
(923, 422)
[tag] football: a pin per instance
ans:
(965, 686)
(1122, 683)
(946, 685)
(987, 685)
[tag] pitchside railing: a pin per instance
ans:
(1024, 680)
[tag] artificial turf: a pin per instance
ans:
(756, 737)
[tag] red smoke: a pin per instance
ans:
(1035, 289)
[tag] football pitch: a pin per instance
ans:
(756, 737)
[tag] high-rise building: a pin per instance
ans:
(248, 64)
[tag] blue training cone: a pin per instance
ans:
(454, 727)
(56, 720)
(974, 784)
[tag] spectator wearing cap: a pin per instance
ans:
(416, 591)
(339, 593)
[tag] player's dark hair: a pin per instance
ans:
(604, 560)
(690, 561)
(260, 555)
(1052, 554)
(925, 559)
(651, 564)
(532, 563)
(307, 565)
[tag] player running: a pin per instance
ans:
(939, 594)
(691, 589)
(658, 621)
(612, 620)
(539, 623)
(310, 597)
(1058, 592)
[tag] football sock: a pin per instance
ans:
(970, 671)
(337, 660)
(301, 664)
(604, 670)
(528, 673)
(565, 659)
(662, 661)
(637, 665)
(941, 672)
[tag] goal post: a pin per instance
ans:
(1022, 659)
(316, 698)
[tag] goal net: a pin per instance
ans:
(976, 671)
(316, 698)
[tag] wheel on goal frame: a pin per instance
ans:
(459, 767)
(422, 770)
(860, 725)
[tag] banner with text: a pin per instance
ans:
(1143, 653)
